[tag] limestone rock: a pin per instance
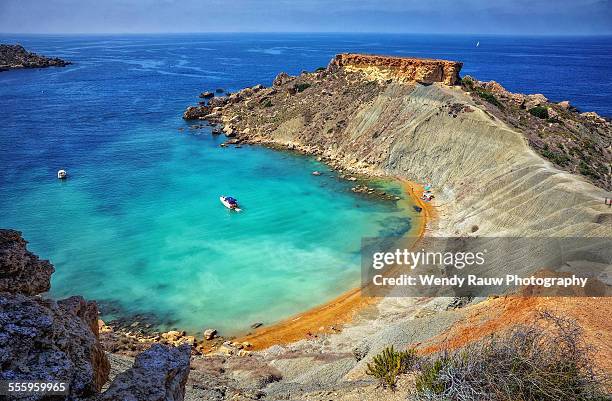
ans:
(537, 99)
(43, 339)
(281, 79)
(403, 69)
(565, 105)
(207, 95)
(158, 374)
(195, 112)
(209, 334)
(20, 270)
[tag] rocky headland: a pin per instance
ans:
(16, 57)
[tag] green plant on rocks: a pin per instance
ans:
(539, 112)
(389, 364)
(301, 87)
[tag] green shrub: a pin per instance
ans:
(468, 82)
(560, 159)
(544, 361)
(585, 169)
(267, 103)
(320, 69)
(488, 96)
(387, 365)
(539, 112)
(301, 87)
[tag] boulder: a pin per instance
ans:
(281, 79)
(43, 339)
(565, 105)
(532, 101)
(207, 95)
(195, 112)
(20, 270)
(209, 334)
(158, 374)
(217, 102)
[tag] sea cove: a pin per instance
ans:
(138, 225)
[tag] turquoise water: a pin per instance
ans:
(151, 237)
(139, 226)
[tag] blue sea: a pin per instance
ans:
(139, 227)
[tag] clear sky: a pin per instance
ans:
(424, 16)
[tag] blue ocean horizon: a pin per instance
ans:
(138, 225)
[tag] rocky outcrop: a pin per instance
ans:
(580, 143)
(20, 270)
(403, 69)
(44, 339)
(196, 112)
(158, 374)
(15, 56)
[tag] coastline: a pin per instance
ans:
(332, 315)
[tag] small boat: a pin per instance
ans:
(62, 174)
(230, 203)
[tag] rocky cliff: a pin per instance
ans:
(15, 56)
(46, 340)
(403, 69)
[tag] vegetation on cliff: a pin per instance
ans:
(576, 142)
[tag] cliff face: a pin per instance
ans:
(15, 56)
(403, 69)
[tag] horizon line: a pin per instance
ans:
(312, 33)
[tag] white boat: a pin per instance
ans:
(62, 174)
(230, 203)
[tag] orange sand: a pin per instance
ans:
(329, 317)
(498, 314)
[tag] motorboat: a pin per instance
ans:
(230, 203)
(62, 174)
